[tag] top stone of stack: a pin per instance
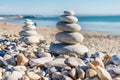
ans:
(28, 22)
(69, 13)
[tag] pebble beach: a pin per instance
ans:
(22, 61)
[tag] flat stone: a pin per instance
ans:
(32, 40)
(69, 19)
(28, 33)
(69, 27)
(30, 27)
(42, 60)
(116, 59)
(21, 59)
(69, 13)
(61, 48)
(102, 73)
(29, 22)
(70, 38)
(56, 62)
(74, 62)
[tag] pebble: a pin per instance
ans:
(117, 70)
(44, 54)
(56, 62)
(40, 61)
(20, 69)
(97, 63)
(61, 48)
(66, 77)
(10, 59)
(90, 65)
(70, 38)
(69, 27)
(25, 78)
(102, 73)
(72, 73)
(91, 73)
(15, 75)
(33, 76)
(69, 19)
(80, 74)
(116, 59)
(21, 59)
(74, 62)
(69, 13)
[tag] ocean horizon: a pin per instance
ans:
(110, 24)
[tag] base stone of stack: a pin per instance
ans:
(70, 38)
(61, 48)
(69, 27)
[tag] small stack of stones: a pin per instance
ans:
(69, 37)
(28, 34)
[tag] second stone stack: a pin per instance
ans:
(69, 38)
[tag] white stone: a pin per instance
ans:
(28, 22)
(70, 19)
(14, 76)
(69, 27)
(28, 33)
(69, 13)
(31, 40)
(57, 62)
(30, 27)
(68, 49)
(70, 38)
(74, 62)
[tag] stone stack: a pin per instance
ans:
(28, 34)
(70, 38)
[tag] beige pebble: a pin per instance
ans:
(21, 59)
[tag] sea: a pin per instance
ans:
(110, 24)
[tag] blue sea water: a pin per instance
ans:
(109, 24)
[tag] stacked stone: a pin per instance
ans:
(28, 34)
(70, 38)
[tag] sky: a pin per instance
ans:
(56, 7)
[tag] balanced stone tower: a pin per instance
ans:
(69, 37)
(28, 34)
